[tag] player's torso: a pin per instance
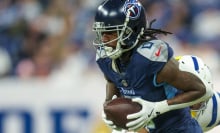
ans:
(136, 78)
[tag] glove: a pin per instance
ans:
(109, 122)
(149, 111)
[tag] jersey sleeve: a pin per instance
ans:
(157, 53)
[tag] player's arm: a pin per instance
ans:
(194, 89)
(111, 93)
(111, 90)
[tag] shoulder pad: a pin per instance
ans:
(154, 50)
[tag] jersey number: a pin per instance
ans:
(147, 45)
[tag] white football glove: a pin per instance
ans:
(149, 111)
(109, 122)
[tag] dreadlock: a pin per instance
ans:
(150, 33)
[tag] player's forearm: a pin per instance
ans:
(188, 99)
(192, 95)
(196, 92)
(193, 84)
(111, 90)
(185, 98)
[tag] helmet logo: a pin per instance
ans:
(134, 7)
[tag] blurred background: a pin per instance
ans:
(49, 81)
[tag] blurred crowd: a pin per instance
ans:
(40, 38)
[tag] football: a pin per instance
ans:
(117, 110)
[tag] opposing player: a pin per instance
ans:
(138, 65)
(208, 113)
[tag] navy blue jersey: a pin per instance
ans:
(138, 79)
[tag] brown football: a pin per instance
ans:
(117, 110)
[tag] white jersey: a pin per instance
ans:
(210, 116)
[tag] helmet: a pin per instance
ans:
(196, 66)
(126, 18)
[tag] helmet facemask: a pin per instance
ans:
(102, 49)
(197, 112)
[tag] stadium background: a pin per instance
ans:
(49, 82)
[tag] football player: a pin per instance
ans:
(207, 113)
(138, 65)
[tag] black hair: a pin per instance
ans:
(150, 33)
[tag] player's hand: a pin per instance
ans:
(149, 111)
(109, 122)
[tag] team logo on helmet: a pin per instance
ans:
(134, 7)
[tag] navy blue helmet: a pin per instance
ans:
(126, 18)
